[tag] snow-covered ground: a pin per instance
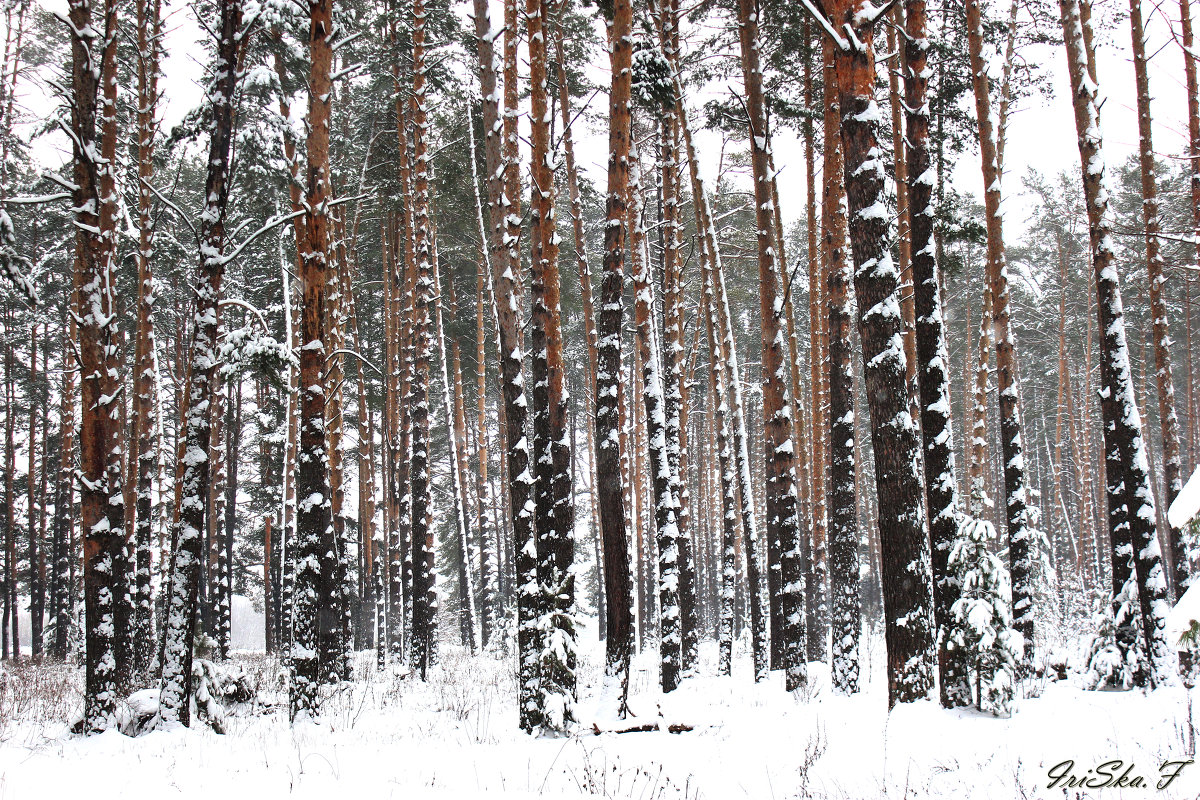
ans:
(456, 737)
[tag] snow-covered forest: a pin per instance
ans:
(619, 398)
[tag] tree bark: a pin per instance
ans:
(846, 615)
(941, 479)
(316, 620)
(907, 582)
(1160, 324)
(149, 50)
(1022, 540)
(551, 441)
(102, 519)
(618, 591)
(782, 512)
(1125, 455)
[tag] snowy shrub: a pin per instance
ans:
(248, 350)
(982, 621)
(44, 693)
(1107, 667)
(1190, 534)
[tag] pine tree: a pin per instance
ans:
(782, 512)
(617, 588)
(907, 582)
(316, 622)
(1130, 500)
(846, 612)
(1160, 323)
(1022, 539)
(555, 522)
(979, 631)
(149, 33)
(941, 480)
(102, 519)
(421, 537)
(188, 557)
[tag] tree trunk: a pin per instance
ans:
(618, 592)
(1187, 40)
(456, 438)
(11, 624)
(1022, 540)
(665, 504)
(316, 620)
(1125, 456)
(93, 96)
(907, 583)
(551, 443)
(674, 321)
(145, 376)
(846, 616)
(36, 589)
(1160, 325)
(494, 255)
(64, 520)
(782, 513)
(941, 479)
(422, 551)
(194, 466)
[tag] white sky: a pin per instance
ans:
(1041, 131)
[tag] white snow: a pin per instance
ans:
(1187, 505)
(1184, 615)
(456, 736)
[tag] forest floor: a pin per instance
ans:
(456, 736)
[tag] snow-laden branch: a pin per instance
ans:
(357, 355)
(268, 226)
(825, 24)
(233, 301)
(171, 205)
(37, 200)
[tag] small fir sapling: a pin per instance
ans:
(981, 624)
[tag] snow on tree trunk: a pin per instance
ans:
(1125, 457)
(316, 615)
(555, 520)
(424, 597)
(1160, 325)
(62, 556)
(907, 581)
(1187, 40)
(846, 615)
(145, 376)
(709, 259)
(674, 385)
(1023, 541)
(941, 480)
(485, 519)
(456, 438)
(782, 512)
(662, 477)
(188, 558)
(617, 583)
(217, 567)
